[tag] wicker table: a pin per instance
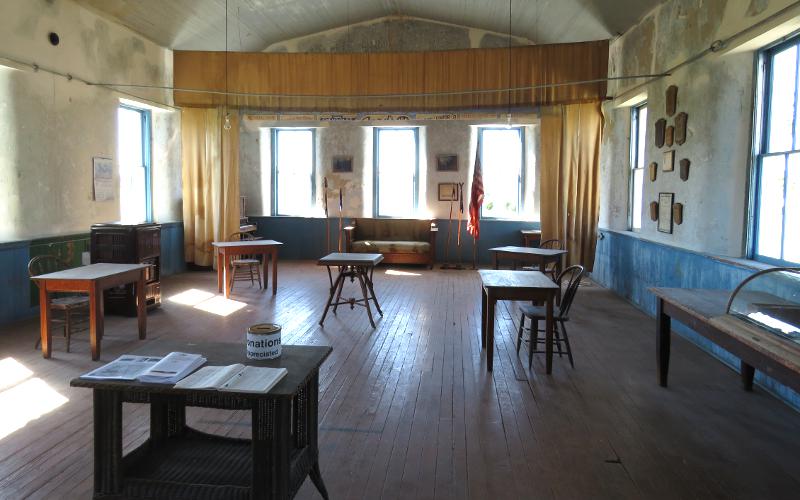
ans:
(91, 279)
(178, 462)
(351, 265)
(228, 249)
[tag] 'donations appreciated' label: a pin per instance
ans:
(264, 341)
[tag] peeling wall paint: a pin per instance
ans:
(397, 34)
(50, 127)
(717, 93)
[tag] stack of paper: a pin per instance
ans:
(234, 378)
(166, 370)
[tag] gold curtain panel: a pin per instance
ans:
(331, 82)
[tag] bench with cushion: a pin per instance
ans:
(401, 241)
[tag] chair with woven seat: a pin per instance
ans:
(571, 278)
(70, 307)
(245, 262)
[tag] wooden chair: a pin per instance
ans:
(248, 262)
(551, 268)
(71, 307)
(571, 276)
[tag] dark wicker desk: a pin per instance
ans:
(178, 462)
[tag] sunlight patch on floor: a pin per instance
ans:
(220, 306)
(395, 272)
(207, 301)
(22, 398)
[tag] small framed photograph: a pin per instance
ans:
(447, 163)
(342, 164)
(665, 212)
(669, 161)
(448, 191)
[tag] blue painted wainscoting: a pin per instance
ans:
(16, 300)
(629, 265)
(304, 238)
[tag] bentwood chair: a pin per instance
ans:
(551, 268)
(571, 277)
(70, 309)
(242, 264)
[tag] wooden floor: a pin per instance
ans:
(408, 410)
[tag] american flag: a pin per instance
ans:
(476, 199)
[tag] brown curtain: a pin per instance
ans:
(570, 157)
(210, 181)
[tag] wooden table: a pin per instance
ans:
(704, 311)
(91, 279)
(351, 265)
(180, 462)
(515, 285)
(227, 249)
(538, 256)
(530, 236)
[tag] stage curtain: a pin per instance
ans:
(570, 163)
(210, 181)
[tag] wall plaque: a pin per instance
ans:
(661, 124)
(653, 171)
(672, 100)
(680, 128)
(668, 136)
(665, 212)
(677, 213)
(684, 165)
(669, 161)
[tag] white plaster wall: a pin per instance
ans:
(716, 92)
(346, 139)
(50, 128)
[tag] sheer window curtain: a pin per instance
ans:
(210, 181)
(570, 160)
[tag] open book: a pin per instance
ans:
(234, 378)
(160, 370)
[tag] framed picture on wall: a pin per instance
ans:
(447, 163)
(448, 191)
(665, 212)
(342, 164)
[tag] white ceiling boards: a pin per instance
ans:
(256, 24)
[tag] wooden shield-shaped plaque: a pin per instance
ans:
(661, 125)
(680, 128)
(677, 213)
(653, 171)
(672, 99)
(653, 210)
(685, 169)
(669, 135)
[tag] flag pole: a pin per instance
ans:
(327, 219)
(446, 264)
(460, 216)
(340, 219)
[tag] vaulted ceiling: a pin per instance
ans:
(254, 25)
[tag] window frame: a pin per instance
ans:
(521, 178)
(274, 168)
(633, 162)
(147, 158)
(376, 178)
(760, 144)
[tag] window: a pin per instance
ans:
(396, 171)
(502, 158)
(638, 132)
(292, 171)
(777, 168)
(133, 140)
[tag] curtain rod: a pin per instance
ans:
(378, 96)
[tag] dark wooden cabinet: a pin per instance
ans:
(129, 244)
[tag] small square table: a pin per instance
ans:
(227, 249)
(351, 265)
(180, 462)
(91, 279)
(515, 285)
(538, 256)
